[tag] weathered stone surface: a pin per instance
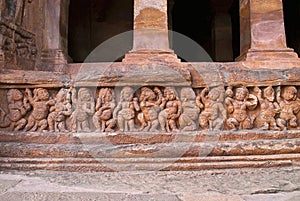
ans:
(140, 120)
(262, 31)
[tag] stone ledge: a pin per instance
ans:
(137, 164)
(195, 74)
(119, 138)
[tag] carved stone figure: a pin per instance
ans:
(40, 102)
(289, 105)
(269, 108)
(18, 106)
(228, 100)
(103, 118)
(59, 111)
(237, 107)
(124, 113)
(168, 116)
(214, 113)
(150, 106)
(84, 106)
(190, 110)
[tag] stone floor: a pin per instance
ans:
(282, 184)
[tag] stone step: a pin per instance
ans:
(144, 137)
(165, 150)
(148, 164)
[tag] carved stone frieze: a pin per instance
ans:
(18, 46)
(151, 109)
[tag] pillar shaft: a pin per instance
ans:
(262, 33)
(55, 32)
(150, 25)
(150, 37)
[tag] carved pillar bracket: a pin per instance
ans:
(150, 37)
(262, 31)
(55, 33)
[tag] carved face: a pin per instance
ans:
(187, 94)
(127, 94)
(213, 94)
(84, 94)
(108, 97)
(170, 94)
(229, 93)
(241, 94)
(14, 94)
(290, 93)
(42, 94)
(269, 93)
(60, 96)
(147, 94)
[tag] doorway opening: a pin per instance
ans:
(92, 22)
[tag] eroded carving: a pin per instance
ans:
(151, 109)
(84, 107)
(190, 110)
(124, 113)
(237, 107)
(150, 105)
(60, 111)
(289, 105)
(41, 103)
(171, 112)
(103, 118)
(269, 108)
(214, 113)
(18, 106)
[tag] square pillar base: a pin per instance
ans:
(268, 55)
(53, 60)
(150, 56)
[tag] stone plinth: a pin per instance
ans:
(262, 33)
(147, 151)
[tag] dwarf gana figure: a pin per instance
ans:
(289, 105)
(190, 110)
(18, 106)
(168, 116)
(214, 113)
(59, 111)
(103, 118)
(41, 103)
(124, 113)
(84, 106)
(150, 106)
(237, 107)
(269, 108)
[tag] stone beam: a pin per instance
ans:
(262, 33)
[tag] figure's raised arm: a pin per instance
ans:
(28, 94)
(278, 94)
(258, 93)
(159, 94)
(73, 96)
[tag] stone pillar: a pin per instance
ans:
(150, 36)
(55, 33)
(262, 33)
